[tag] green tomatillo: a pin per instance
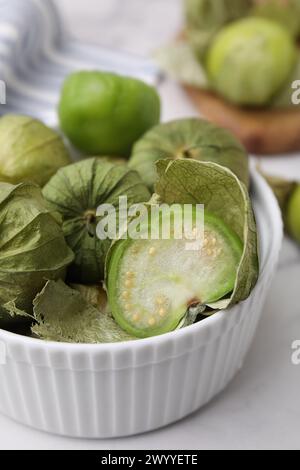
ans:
(152, 283)
(250, 60)
(76, 192)
(293, 214)
(30, 151)
(284, 12)
(288, 196)
(157, 279)
(204, 18)
(104, 114)
(188, 139)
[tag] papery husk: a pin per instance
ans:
(204, 18)
(94, 294)
(224, 195)
(30, 151)
(188, 139)
(284, 12)
(32, 246)
(63, 314)
(76, 192)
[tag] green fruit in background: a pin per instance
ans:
(204, 18)
(205, 14)
(76, 192)
(284, 12)
(250, 60)
(188, 139)
(104, 113)
(29, 151)
(293, 214)
(288, 196)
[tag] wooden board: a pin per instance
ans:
(264, 132)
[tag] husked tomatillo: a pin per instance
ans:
(250, 60)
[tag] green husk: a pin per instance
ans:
(284, 12)
(76, 192)
(194, 182)
(204, 18)
(288, 196)
(30, 151)
(32, 246)
(186, 139)
(66, 315)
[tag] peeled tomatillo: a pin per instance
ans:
(152, 283)
(104, 113)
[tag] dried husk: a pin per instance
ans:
(30, 151)
(69, 315)
(76, 192)
(204, 18)
(32, 246)
(284, 12)
(188, 139)
(221, 192)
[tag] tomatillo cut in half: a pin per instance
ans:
(152, 283)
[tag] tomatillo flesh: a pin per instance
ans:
(152, 283)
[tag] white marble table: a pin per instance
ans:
(261, 408)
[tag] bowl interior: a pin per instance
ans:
(270, 230)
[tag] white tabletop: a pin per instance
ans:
(261, 407)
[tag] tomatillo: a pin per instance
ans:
(188, 139)
(250, 60)
(104, 113)
(293, 214)
(152, 283)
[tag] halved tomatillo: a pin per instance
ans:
(152, 283)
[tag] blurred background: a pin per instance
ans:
(136, 26)
(142, 27)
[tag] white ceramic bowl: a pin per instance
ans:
(97, 391)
